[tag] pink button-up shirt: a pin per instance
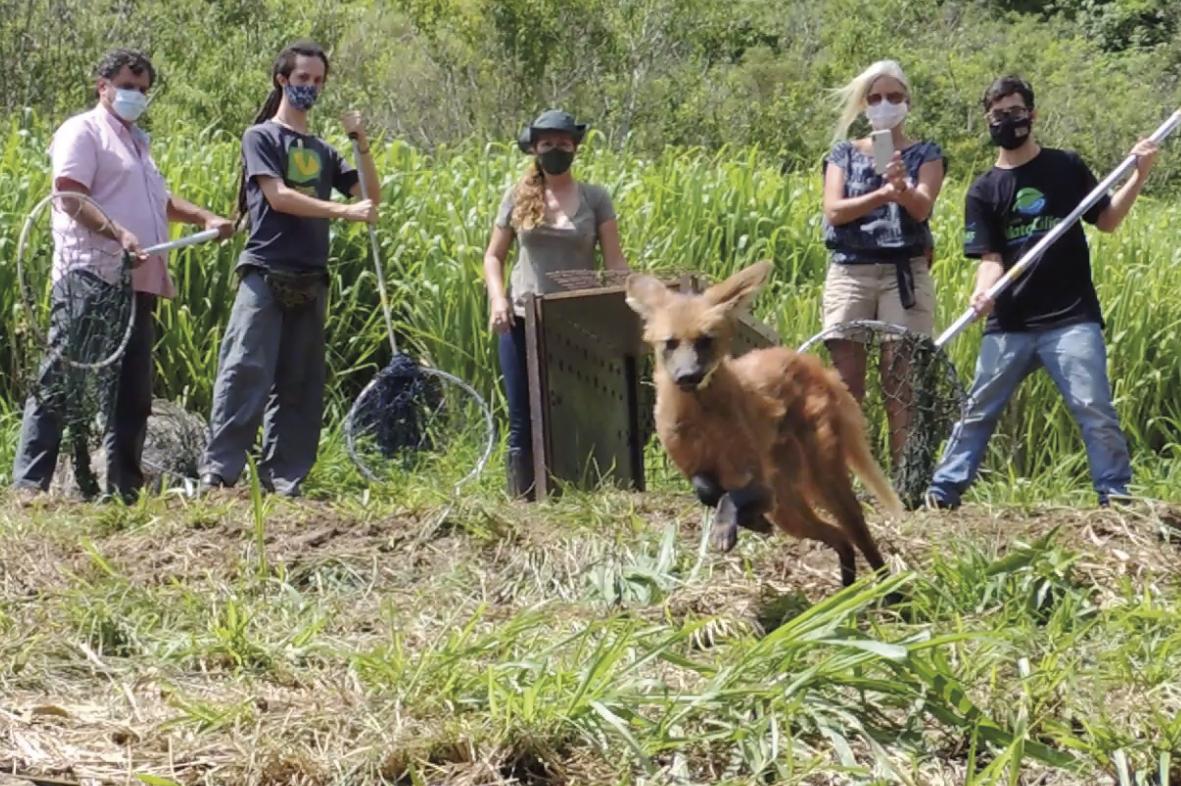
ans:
(112, 160)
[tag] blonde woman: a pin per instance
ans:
(876, 230)
(557, 221)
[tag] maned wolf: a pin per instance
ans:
(765, 437)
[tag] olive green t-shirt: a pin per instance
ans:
(547, 248)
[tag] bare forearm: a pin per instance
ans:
(615, 262)
(494, 276)
(842, 211)
(186, 212)
(917, 203)
(88, 216)
(988, 273)
(91, 218)
(1121, 203)
(287, 200)
(613, 257)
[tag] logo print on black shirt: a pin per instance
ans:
(1029, 202)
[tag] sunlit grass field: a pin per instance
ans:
(397, 635)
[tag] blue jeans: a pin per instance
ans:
(1076, 359)
(511, 346)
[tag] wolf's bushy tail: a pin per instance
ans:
(865, 466)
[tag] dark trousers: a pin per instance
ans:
(44, 420)
(516, 385)
(271, 371)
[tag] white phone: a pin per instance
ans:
(883, 149)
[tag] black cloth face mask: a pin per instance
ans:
(555, 161)
(1009, 133)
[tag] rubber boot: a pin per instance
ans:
(519, 467)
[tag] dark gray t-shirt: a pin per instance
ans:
(305, 163)
(550, 248)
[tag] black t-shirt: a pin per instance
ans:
(305, 163)
(1007, 211)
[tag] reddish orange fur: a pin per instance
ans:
(773, 416)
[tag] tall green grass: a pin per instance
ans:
(685, 210)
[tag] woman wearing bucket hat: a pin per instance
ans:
(557, 221)
(877, 232)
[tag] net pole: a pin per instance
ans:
(1052, 236)
(373, 247)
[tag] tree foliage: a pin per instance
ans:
(647, 73)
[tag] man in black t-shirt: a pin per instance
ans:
(271, 368)
(1049, 316)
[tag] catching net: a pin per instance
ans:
(415, 419)
(912, 398)
(78, 315)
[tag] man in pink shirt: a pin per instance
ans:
(103, 153)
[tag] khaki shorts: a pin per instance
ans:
(870, 291)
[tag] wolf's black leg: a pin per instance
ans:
(753, 502)
(709, 492)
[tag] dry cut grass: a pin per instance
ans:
(591, 640)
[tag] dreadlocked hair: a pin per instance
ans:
(529, 198)
(283, 66)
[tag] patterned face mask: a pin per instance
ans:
(302, 97)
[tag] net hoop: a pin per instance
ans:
(935, 400)
(41, 338)
(427, 371)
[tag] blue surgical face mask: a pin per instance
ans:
(129, 104)
(302, 97)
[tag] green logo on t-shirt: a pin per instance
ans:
(303, 167)
(1029, 202)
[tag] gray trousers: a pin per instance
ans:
(271, 369)
(43, 423)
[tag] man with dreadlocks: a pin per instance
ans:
(103, 154)
(271, 366)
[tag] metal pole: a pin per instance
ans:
(1050, 237)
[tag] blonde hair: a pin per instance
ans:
(529, 198)
(851, 97)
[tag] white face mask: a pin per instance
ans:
(884, 115)
(129, 104)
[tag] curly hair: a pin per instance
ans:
(529, 198)
(113, 61)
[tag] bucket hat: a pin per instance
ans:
(550, 120)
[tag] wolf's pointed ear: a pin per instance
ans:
(737, 291)
(645, 294)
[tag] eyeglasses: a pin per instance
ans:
(894, 97)
(1012, 113)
